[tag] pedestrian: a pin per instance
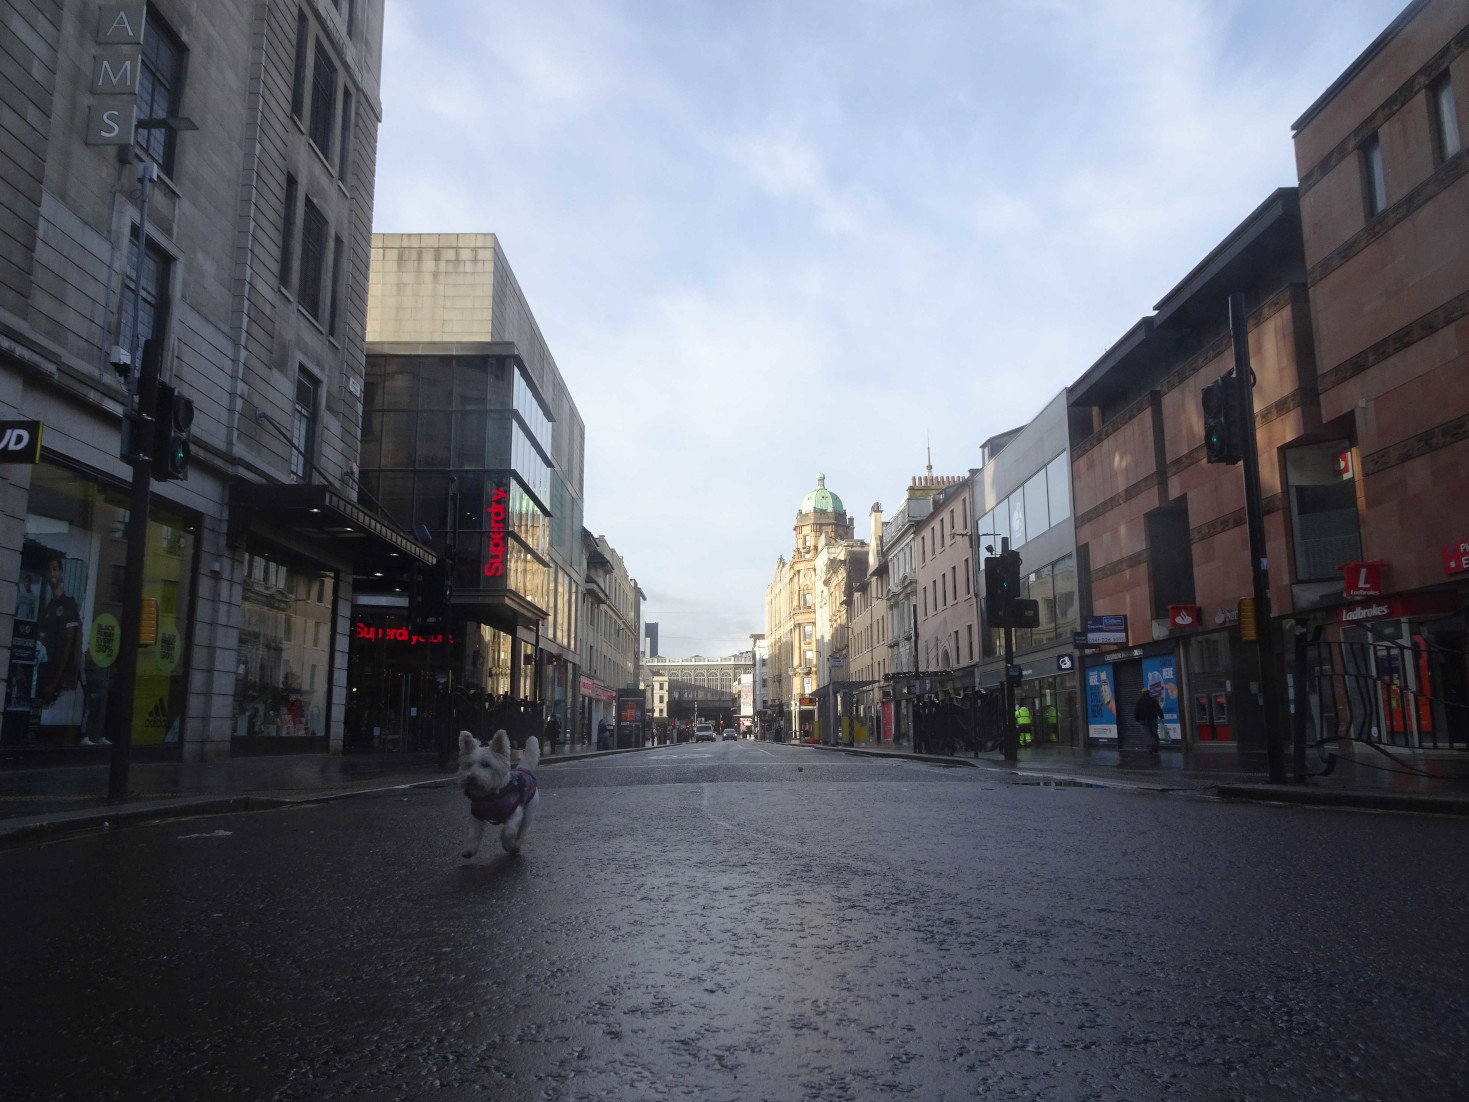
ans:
(553, 732)
(602, 739)
(1148, 713)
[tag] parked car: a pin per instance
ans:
(704, 732)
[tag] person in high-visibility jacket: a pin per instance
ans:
(1022, 723)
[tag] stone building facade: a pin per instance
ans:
(253, 290)
(612, 610)
(791, 620)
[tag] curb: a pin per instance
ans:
(1332, 797)
(142, 813)
(932, 759)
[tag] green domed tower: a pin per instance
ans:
(821, 515)
(821, 500)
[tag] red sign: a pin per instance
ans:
(1183, 616)
(1456, 558)
(1362, 579)
(498, 511)
(1433, 602)
(595, 690)
(1344, 465)
(372, 633)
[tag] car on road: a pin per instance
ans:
(730, 734)
(703, 732)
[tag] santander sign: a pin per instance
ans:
(498, 511)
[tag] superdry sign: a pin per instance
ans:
(497, 513)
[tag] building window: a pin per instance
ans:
(153, 303)
(338, 251)
(323, 100)
(1374, 180)
(298, 76)
(160, 78)
(313, 257)
(303, 426)
(1445, 119)
(344, 142)
(941, 531)
(282, 681)
(966, 577)
(969, 635)
(945, 582)
(288, 231)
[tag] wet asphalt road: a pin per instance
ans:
(746, 921)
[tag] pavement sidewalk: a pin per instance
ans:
(50, 801)
(1425, 783)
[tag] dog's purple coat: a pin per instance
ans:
(517, 791)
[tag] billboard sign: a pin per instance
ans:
(1101, 705)
(1106, 629)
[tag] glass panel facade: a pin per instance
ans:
(532, 414)
(1016, 505)
(1037, 511)
(528, 464)
(1058, 486)
(68, 616)
(283, 679)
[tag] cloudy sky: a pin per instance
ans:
(767, 240)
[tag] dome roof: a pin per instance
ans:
(821, 500)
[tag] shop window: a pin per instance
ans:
(1058, 488)
(68, 617)
(1374, 178)
(1323, 509)
(160, 88)
(285, 651)
(303, 427)
(323, 99)
(1445, 119)
(1037, 510)
(313, 258)
(153, 303)
(344, 141)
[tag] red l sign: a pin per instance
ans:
(1183, 616)
(1362, 579)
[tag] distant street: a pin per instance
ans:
(746, 921)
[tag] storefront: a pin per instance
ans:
(1047, 702)
(598, 706)
(1117, 680)
(68, 620)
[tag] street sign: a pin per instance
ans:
(1065, 663)
(1016, 674)
(1106, 629)
(20, 441)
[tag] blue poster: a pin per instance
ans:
(1101, 705)
(1160, 677)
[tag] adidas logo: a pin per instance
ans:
(157, 715)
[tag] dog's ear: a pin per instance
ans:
(500, 744)
(468, 744)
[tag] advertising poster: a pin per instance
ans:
(1159, 675)
(1101, 705)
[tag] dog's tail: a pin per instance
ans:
(530, 757)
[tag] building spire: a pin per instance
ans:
(929, 445)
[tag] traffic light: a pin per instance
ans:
(1223, 433)
(1002, 587)
(173, 421)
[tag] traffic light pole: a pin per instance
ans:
(1012, 733)
(137, 428)
(1270, 687)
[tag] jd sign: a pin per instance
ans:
(20, 441)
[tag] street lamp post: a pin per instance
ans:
(141, 366)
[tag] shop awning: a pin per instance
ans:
(319, 516)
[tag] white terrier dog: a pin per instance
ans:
(498, 793)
